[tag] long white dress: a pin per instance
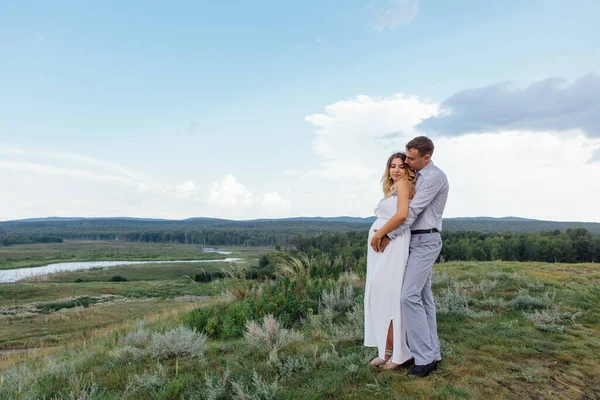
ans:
(385, 274)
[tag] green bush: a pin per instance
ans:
(81, 302)
(118, 278)
(208, 276)
(288, 299)
(203, 277)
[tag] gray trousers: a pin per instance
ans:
(418, 308)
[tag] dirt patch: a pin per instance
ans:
(190, 298)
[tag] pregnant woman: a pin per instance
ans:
(385, 270)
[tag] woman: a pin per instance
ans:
(385, 270)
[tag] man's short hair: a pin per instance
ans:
(423, 144)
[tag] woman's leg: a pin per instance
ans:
(389, 348)
(389, 343)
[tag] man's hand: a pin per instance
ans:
(383, 243)
(379, 243)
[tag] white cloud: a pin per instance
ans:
(229, 197)
(229, 192)
(40, 182)
(530, 174)
(595, 158)
(63, 159)
(396, 13)
(275, 202)
(350, 134)
(52, 170)
(186, 188)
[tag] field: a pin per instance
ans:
(48, 311)
(32, 255)
(508, 330)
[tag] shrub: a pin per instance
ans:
(203, 277)
(552, 319)
(451, 300)
(125, 354)
(261, 390)
(59, 305)
(270, 335)
(82, 387)
(148, 382)
(216, 387)
(206, 319)
(524, 301)
(353, 329)
(118, 278)
(503, 276)
(208, 276)
(289, 300)
(180, 341)
(441, 279)
(338, 299)
(289, 366)
(267, 265)
(134, 338)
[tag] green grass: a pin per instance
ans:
(62, 296)
(141, 272)
(491, 348)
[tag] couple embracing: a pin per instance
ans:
(404, 243)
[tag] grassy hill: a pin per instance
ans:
(508, 330)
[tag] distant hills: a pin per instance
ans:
(303, 224)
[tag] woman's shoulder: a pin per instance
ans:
(405, 184)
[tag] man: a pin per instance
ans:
(425, 221)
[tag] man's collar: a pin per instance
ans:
(426, 169)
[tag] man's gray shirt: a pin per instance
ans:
(426, 208)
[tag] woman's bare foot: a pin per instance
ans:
(392, 365)
(378, 361)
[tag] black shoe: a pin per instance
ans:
(423, 370)
(408, 363)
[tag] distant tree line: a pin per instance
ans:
(573, 246)
(208, 237)
(8, 240)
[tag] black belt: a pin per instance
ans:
(420, 231)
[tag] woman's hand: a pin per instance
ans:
(376, 240)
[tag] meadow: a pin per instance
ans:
(47, 311)
(508, 330)
(32, 255)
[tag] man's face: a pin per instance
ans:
(415, 161)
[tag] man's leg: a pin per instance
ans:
(424, 250)
(429, 305)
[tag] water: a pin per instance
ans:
(214, 250)
(13, 275)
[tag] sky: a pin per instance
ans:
(271, 109)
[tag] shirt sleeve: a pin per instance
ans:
(428, 189)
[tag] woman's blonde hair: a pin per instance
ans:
(388, 183)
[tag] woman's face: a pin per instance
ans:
(397, 170)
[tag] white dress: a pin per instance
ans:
(385, 275)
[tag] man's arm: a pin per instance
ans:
(423, 197)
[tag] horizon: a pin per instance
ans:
(513, 218)
(274, 110)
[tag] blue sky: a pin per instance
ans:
(270, 109)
